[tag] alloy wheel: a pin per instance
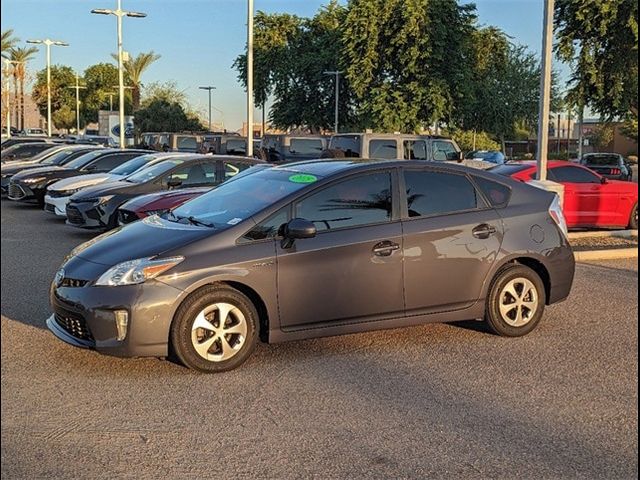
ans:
(219, 331)
(519, 301)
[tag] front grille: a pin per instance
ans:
(73, 283)
(74, 325)
(49, 208)
(74, 216)
(125, 217)
(16, 192)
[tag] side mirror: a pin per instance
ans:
(174, 183)
(604, 180)
(297, 229)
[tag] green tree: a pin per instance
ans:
(600, 41)
(64, 117)
(167, 91)
(163, 116)
(469, 140)
(100, 80)
(602, 136)
(61, 78)
(405, 60)
(134, 69)
(8, 42)
(21, 55)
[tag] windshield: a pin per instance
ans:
(80, 161)
(601, 160)
(241, 198)
(153, 171)
(133, 165)
(59, 157)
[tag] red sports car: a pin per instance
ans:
(156, 203)
(590, 200)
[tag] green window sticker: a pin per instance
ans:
(303, 178)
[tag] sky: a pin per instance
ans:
(198, 39)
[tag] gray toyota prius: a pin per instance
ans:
(314, 249)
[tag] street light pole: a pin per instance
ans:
(119, 13)
(250, 78)
(209, 88)
(8, 96)
(545, 91)
(48, 42)
(77, 88)
(337, 112)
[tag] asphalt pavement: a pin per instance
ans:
(438, 401)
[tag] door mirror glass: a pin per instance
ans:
(604, 180)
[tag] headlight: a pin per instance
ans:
(137, 271)
(98, 200)
(34, 180)
(68, 193)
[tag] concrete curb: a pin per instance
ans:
(603, 234)
(612, 254)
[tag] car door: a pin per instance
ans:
(587, 199)
(352, 270)
(451, 241)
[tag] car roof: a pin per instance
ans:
(328, 167)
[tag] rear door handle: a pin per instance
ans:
(385, 248)
(484, 231)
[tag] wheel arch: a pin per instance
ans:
(540, 269)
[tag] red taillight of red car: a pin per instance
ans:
(615, 171)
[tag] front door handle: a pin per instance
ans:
(484, 231)
(385, 249)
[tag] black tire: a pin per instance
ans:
(332, 153)
(497, 294)
(633, 218)
(181, 328)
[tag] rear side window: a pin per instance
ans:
(349, 144)
(415, 150)
(306, 146)
(363, 200)
(497, 194)
(107, 163)
(438, 193)
(386, 149)
(570, 174)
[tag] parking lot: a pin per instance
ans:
(430, 401)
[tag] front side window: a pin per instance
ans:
(415, 150)
(438, 193)
(192, 175)
(362, 200)
(574, 175)
(386, 149)
(443, 151)
(154, 171)
(133, 165)
(306, 146)
(107, 163)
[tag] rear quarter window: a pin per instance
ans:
(497, 194)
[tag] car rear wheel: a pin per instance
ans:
(516, 301)
(633, 220)
(215, 329)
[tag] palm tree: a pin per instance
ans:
(21, 55)
(134, 68)
(8, 42)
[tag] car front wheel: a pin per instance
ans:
(215, 329)
(516, 301)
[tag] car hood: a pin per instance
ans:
(148, 238)
(117, 186)
(164, 199)
(33, 172)
(14, 167)
(83, 181)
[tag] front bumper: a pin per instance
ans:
(4, 184)
(19, 192)
(56, 205)
(89, 215)
(84, 317)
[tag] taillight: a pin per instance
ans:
(615, 171)
(555, 210)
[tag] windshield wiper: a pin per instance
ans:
(195, 221)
